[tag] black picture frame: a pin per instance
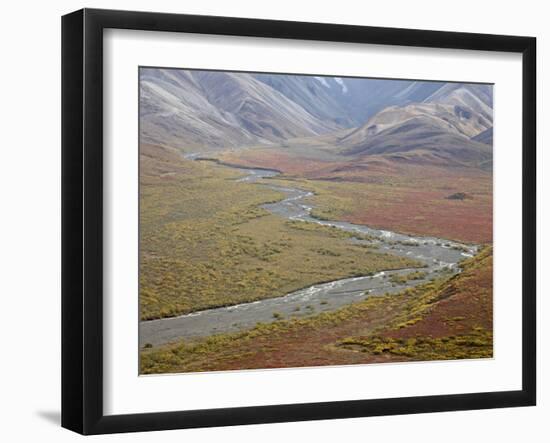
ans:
(82, 219)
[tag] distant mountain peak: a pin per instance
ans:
(194, 109)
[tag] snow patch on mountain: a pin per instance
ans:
(342, 84)
(322, 81)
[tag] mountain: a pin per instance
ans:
(428, 131)
(485, 137)
(322, 97)
(348, 101)
(174, 111)
(454, 119)
(476, 98)
(189, 109)
(351, 101)
(423, 142)
(415, 120)
(369, 96)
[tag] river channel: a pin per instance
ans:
(438, 255)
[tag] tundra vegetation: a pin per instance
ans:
(448, 318)
(407, 156)
(409, 198)
(206, 242)
(404, 278)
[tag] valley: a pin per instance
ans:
(229, 249)
(294, 220)
(446, 319)
(400, 195)
(437, 257)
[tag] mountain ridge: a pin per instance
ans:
(199, 110)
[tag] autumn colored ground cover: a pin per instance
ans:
(206, 242)
(387, 193)
(441, 320)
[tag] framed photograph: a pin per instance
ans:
(270, 221)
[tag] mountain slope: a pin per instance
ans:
(350, 101)
(322, 97)
(476, 98)
(190, 109)
(369, 96)
(442, 127)
(485, 136)
(411, 120)
(426, 132)
(173, 111)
